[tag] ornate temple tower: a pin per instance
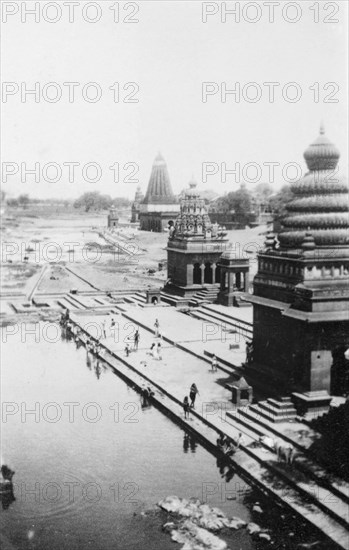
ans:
(159, 208)
(194, 248)
(301, 290)
(136, 205)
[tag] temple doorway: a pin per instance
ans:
(197, 274)
(208, 274)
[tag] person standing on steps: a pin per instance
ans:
(136, 340)
(214, 364)
(156, 327)
(186, 407)
(193, 392)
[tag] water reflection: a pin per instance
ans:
(225, 467)
(189, 442)
(7, 497)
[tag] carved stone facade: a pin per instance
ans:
(301, 290)
(194, 248)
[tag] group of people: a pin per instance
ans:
(193, 392)
(228, 445)
(136, 340)
(155, 351)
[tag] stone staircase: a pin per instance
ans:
(207, 295)
(273, 410)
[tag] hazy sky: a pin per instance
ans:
(169, 53)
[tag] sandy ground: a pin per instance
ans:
(75, 240)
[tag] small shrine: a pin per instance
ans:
(113, 218)
(234, 277)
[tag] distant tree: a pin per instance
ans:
(23, 200)
(279, 201)
(12, 203)
(263, 191)
(121, 202)
(93, 200)
(241, 201)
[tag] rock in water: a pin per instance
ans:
(253, 528)
(197, 538)
(257, 508)
(236, 523)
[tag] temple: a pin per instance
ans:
(301, 290)
(159, 208)
(136, 205)
(194, 249)
(113, 218)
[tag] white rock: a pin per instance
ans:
(236, 523)
(264, 536)
(253, 528)
(257, 508)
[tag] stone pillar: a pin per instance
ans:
(214, 266)
(202, 267)
(190, 274)
(246, 281)
(231, 281)
(222, 278)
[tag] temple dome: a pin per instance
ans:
(159, 189)
(320, 206)
(321, 154)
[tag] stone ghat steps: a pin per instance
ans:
(203, 316)
(334, 503)
(303, 462)
(229, 323)
(207, 295)
(270, 412)
(244, 327)
(247, 461)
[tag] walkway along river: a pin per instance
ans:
(91, 458)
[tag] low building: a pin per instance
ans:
(159, 208)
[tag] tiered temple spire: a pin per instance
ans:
(321, 202)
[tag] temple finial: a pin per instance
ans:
(322, 127)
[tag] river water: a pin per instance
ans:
(90, 460)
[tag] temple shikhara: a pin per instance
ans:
(159, 208)
(301, 290)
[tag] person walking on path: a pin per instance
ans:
(112, 327)
(127, 350)
(136, 340)
(186, 407)
(193, 392)
(214, 364)
(156, 327)
(104, 332)
(159, 351)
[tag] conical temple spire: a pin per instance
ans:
(159, 187)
